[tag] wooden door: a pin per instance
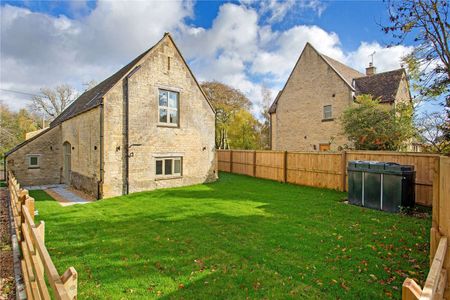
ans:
(324, 147)
(67, 162)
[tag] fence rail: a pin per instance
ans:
(324, 169)
(36, 263)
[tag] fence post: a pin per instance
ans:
(231, 161)
(434, 232)
(343, 168)
(29, 204)
(22, 196)
(285, 166)
(254, 163)
(41, 230)
(410, 290)
(69, 279)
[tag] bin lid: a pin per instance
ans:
(394, 167)
(379, 167)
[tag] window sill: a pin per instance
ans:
(34, 168)
(328, 120)
(168, 125)
(168, 177)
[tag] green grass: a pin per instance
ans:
(239, 237)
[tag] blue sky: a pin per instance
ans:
(245, 44)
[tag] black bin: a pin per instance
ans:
(380, 185)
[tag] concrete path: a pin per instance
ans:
(63, 194)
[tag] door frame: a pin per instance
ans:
(67, 162)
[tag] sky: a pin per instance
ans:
(248, 45)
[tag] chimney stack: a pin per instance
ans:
(371, 70)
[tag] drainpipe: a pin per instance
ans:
(126, 130)
(126, 135)
(100, 182)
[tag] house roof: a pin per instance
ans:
(43, 131)
(273, 107)
(93, 97)
(347, 73)
(382, 86)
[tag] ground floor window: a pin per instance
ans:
(33, 161)
(168, 166)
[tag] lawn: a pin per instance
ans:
(237, 238)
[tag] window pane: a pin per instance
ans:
(173, 100)
(162, 98)
(33, 161)
(177, 166)
(159, 166)
(327, 112)
(168, 167)
(173, 115)
(163, 115)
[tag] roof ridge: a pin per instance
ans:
(86, 99)
(329, 57)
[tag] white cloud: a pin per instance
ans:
(385, 59)
(40, 50)
(239, 49)
(281, 60)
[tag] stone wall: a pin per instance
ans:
(193, 139)
(299, 115)
(83, 134)
(48, 147)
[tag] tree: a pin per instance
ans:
(430, 128)
(14, 126)
(370, 125)
(425, 23)
(227, 101)
(53, 101)
(243, 131)
(265, 122)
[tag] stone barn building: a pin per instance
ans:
(305, 114)
(145, 127)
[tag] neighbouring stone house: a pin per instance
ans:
(145, 127)
(305, 114)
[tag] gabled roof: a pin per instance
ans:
(345, 72)
(382, 86)
(43, 131)
(93, 97)
(273, 107)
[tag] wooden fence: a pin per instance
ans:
(36, 263)
(324, 169)
(438, 282)
(328, 170)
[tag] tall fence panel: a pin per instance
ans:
(438, 282)
(325, 169)
(270, 165)
(315, 169)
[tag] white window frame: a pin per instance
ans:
(32, 166)
(168, 108)
(325, 117)
(173, 174)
